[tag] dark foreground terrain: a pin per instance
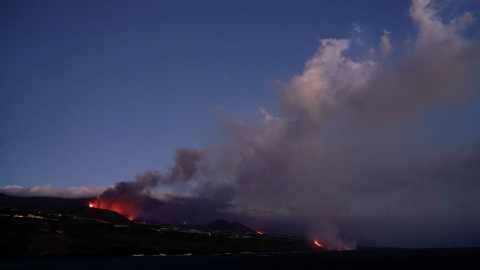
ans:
(358, 259)
(99, 232)
(98, 239)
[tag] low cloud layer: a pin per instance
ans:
(49, 191)
(343, 157)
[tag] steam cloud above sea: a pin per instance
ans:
(340, 158)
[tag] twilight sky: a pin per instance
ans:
(93, 92)
(334, 111)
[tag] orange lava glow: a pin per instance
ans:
(259, 232)
(123, 208)
(318, 244)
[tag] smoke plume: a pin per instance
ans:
(335, 160)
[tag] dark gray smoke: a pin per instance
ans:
(186, 160)
(134, 198)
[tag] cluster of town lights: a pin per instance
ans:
(259, 232)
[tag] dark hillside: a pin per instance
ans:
(223, 225)
(101, 214)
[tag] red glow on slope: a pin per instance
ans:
(120, 207)
(318, 244)
(259, 232)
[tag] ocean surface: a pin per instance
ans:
(366, 259)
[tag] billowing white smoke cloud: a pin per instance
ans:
(327, 75)
(336, 150)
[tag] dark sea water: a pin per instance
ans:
(376, 259)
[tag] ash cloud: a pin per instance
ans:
(135, 198)
(186, 160)
(341, 144)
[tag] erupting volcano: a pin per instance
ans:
(119, 207)
(354, 129)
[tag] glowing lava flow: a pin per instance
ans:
(259, 232)
(318, 244)
(123, 209)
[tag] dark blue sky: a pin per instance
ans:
(93, 92)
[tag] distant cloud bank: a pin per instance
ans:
(49, 191)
